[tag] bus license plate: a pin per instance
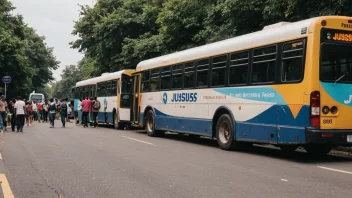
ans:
(349, 138)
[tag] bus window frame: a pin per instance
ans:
(304, 49)
(248, 64)
(218, 68)
(172, 76)
(273, 60)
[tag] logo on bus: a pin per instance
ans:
(349, 100)
(184, 97)
(165, 98)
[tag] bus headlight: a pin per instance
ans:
(326, 110)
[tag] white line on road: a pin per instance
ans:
(6, 190)
(285, 180)
(336, 170)
(139, 140)
(0, 156)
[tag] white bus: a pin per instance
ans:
(287, 85)
(113, 90)
(37, 97)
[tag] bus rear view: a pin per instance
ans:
(37, 97)
(331, 105)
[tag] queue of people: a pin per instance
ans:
(20, 113)
(89, 109)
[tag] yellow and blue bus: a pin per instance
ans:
(288, 85)
(113, 90)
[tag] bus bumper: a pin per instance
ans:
(327, 136)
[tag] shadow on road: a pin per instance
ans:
(299, 156)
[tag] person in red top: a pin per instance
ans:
(87, 107)
(30, 114)
(40, 112)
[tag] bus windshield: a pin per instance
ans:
(336, 63)
(36, 97)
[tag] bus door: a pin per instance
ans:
(135, 111)
(125, 98)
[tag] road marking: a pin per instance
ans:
(336, 170)
(6, 190)
(139, 140)
(285, 180)
(0, 156)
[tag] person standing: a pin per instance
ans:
(30, 114)
(52, 113)
(20, 111)
(40, 112)
(45, 111)
(3, 109)
(79, 112)
(64, 112)
(96, 108)
(11, 108)
(86, 109)
(35, 111)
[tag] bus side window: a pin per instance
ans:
(177, 76)
(239, 68)
(155, 80)
(189, 75)
(264, 63)
(114, 88)
(219, 71)
(292, 61)
(165, 78)
(146, 81)
(203, 73)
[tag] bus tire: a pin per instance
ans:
(288, 148)
(225, 135)
(116, 120)
(150, 125)
(318, 150)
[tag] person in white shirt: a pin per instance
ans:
(35, 110)
(20, 107)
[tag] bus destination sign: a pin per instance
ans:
(337, 36)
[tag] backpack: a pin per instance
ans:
(64, 107)
(96, 105)
(52, 107)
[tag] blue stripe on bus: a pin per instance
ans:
(262, 94)
(266, 127)
(105, 117)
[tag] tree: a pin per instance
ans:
(23, 54)
(116, 34)
(69, 77)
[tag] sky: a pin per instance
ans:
(54, 19)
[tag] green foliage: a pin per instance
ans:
(23, 54)
(69, 77)
(117, 34)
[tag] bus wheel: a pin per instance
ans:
(116, 121)
(288, 148)
(150, 125)
(318, 150)
(225, 133)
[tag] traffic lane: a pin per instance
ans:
(270, 161)
(174, 167)
(25, 179)
(177, 146)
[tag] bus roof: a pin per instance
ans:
(102, 78)
(270, 34)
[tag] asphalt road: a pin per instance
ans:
(77, 162)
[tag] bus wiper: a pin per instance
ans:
(341, 78)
